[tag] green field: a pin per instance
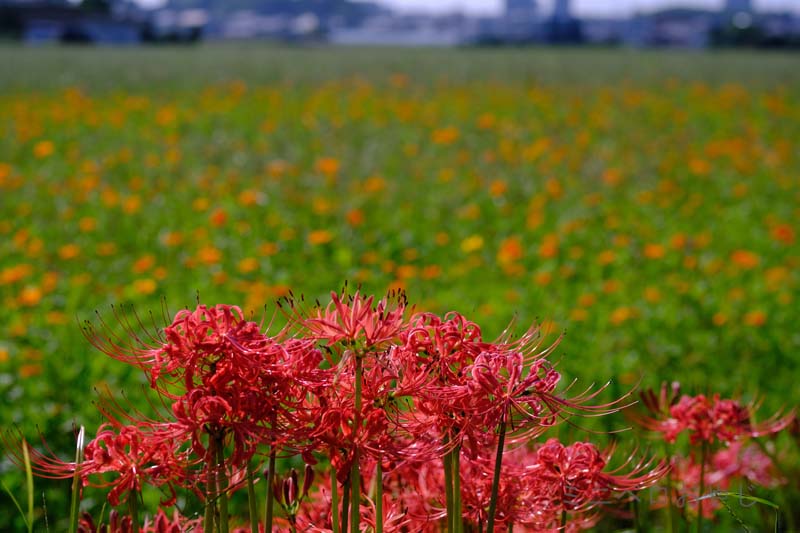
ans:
(647, 203)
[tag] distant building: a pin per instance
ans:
(561, 10)
(677, 27)
(36, 22)
(520, 10)
(519, 20)
(738, 6)
(562, 27)
(118, 22)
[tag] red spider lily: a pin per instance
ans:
(706, 419)
(746, 462)
(354, 319)
(191, 344)
(135, 455)
(736, 461)
(536, 486)
(160, 523)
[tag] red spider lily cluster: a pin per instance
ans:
(722, 433)
(406, 422)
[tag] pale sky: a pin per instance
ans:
(579, 7)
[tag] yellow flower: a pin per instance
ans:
(620, 315)
(144, 286)
(473, 243)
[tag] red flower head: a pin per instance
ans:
(705, 419)
(355, 319)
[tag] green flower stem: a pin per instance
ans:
(76, 484)
(270, 497)
(636, 515)
(458, 519)
(133, 509)
(670, 506)
(222, 480)
(498, 463)
(251, 499)
(345, 505)
(703, 454)
(355, 473)
(379, 498)
(448, 490)
(28, 484)
(334, 501)
(211, 487)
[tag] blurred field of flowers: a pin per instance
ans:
(653, 218)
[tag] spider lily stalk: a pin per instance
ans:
(76, 483)
(498, 463)
(355, 498)
(251, 499)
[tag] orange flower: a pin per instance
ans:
(15, 273)
(755, 318)
(249, 197)
(446, 135)
(611, 285)
(87, 224)
(719, 319)
(783, 233)
(218, 217)
(374, 184)
(30, 296)
(69, 251)
(320, 236)
(699, 167)
(578, 314)
(247, 265)
(744, 259)
(131, 204)
(549, 246)
(328, 166)
(104, 249)
(209, 255)
(652, 294)
(172, 238)
(497, 188)
(612, 177)
(43, 149)
(268, 248)
(431, 272)
(554, 188)
(486, 121)
(620, 315)
(606, 257)
(678, 241)
(355, 217)
(144, 286)
(404, 272)
(510, 250)
(30, 370)
(653, 251)
(543, 278)
(200, 204)
(143, 264)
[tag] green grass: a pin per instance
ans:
(499, 183)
